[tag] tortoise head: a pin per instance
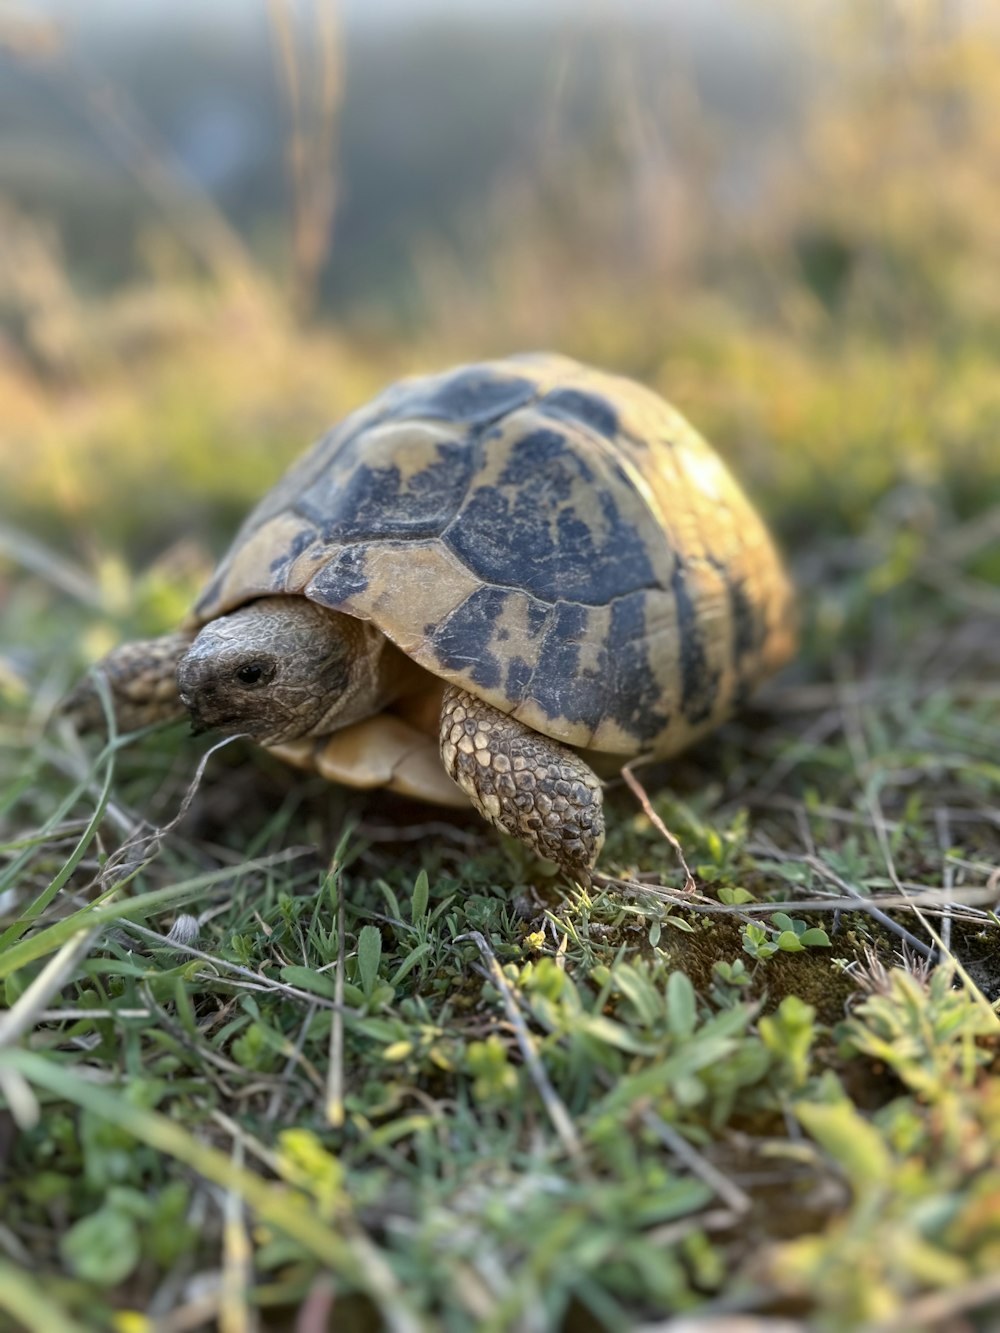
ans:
(280, 669)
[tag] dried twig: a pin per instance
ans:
(947, 872)
(258, 979)
(730, 1193)
(639, 792)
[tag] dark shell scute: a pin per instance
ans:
(377, 502)
(747, 628)
(532, 534)
(619, 684)
(635, 694)
(299, 543)
(699, 685)
(342, 577)
(517, 680)
(592, 409)
(544, 460)
(472, 397)
(210, 596)
(559, 685)
(537, 615)
(461, 642)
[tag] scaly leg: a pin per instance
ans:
(526, 784)
(142, 679)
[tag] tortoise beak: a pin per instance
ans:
(199, 724)
(204, 717)
(198, 697)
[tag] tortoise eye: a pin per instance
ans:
(255, 673)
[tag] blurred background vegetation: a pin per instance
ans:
(223, 226)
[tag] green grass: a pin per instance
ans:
(303, 1049)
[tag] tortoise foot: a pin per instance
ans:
(532, 787)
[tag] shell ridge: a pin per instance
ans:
(608, 563)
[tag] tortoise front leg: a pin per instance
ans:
(142, 679)
(526, 784)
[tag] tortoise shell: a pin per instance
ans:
(556, 540)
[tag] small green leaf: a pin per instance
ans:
(789, 942)
(816, 938)
(382, 994)
(169, 1232)
(410, 962)
(185, 1008)
(789, 1033)
(637, 988)
(682, 1005)
(14, 987)
(853, 1143)
(678, 923)
(318, 983)
(756, 941)
(616, 1035)
(421, 893)
(391, 901)
(102, 1248)
(369, 957)
(257, 1048)
(735, 897)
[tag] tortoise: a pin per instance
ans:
(487, 586)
